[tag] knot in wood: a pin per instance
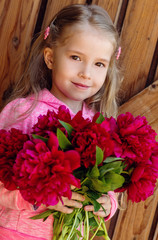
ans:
(15, 42)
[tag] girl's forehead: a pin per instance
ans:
(85, 30)
(88, 41)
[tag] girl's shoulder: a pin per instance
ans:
(23, 113)
(10, 113)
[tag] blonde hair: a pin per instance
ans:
(37, 76)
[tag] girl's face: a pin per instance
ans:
(80, 64)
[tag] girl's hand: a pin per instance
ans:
(68, 204)
(105, 201)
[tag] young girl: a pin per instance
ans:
(74, 62)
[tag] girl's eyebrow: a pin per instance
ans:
(80, 53)
(75, 51)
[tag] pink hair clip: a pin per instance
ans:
(118, 53)
(46, 33)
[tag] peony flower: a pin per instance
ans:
(78, 122)
(86, 140)
(44, 175)
(50, 122)
(143, 182)
(11, 142)
(134, 138)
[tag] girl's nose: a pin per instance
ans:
(85, 74)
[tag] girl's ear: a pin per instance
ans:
(48, 57)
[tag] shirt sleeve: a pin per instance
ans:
(114, 205)
(12, 199)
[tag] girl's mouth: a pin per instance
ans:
(81, 86)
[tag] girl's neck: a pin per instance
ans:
(75, 106)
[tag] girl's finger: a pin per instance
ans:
(77, 196)
(89, 208)
(72, 203)
(102, 213)
(65, 209)
(104, 199)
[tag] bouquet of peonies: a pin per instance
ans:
(94, 156)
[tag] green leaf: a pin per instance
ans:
(93, 223)
(67, 126)
(94, 172)
(112, 166)
(112, 159)
(94, 195)
(100, 119)
(96, 205)
(69, 218)
(78, 233)
(42, 215)
(114, 180)
(100, 233)
(40, 137)
(44, 219)
(99, 186)
(99, 155)
(64, 143)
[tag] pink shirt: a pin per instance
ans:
(15, 212)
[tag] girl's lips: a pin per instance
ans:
(80, 85)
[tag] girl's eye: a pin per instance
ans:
(75, 58)
(99, 64)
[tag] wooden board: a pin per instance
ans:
(139, 37)
(17, 20)
(145, 104)
(136, 221)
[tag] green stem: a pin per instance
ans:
(73, 226)
(84, 181)
(125, 172)
(57, 231)
(96, 229)
(105, 230)
(87, 219)
(81, 228)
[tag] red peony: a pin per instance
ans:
(143, 182)
(44, 175)
(50, 122)
(78, 122)
(86, 140)
(11, 142)
(134, 138)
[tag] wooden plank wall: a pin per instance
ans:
(137, 22)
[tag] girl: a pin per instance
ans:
(73, 63)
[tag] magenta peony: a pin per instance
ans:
(143, 182)
(11, 142)
(85, 141)
(44, 175)
(50, 122)
(134, 138)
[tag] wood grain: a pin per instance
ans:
(145, 104)
(135, 222)
(17, 22)
(139, 37)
